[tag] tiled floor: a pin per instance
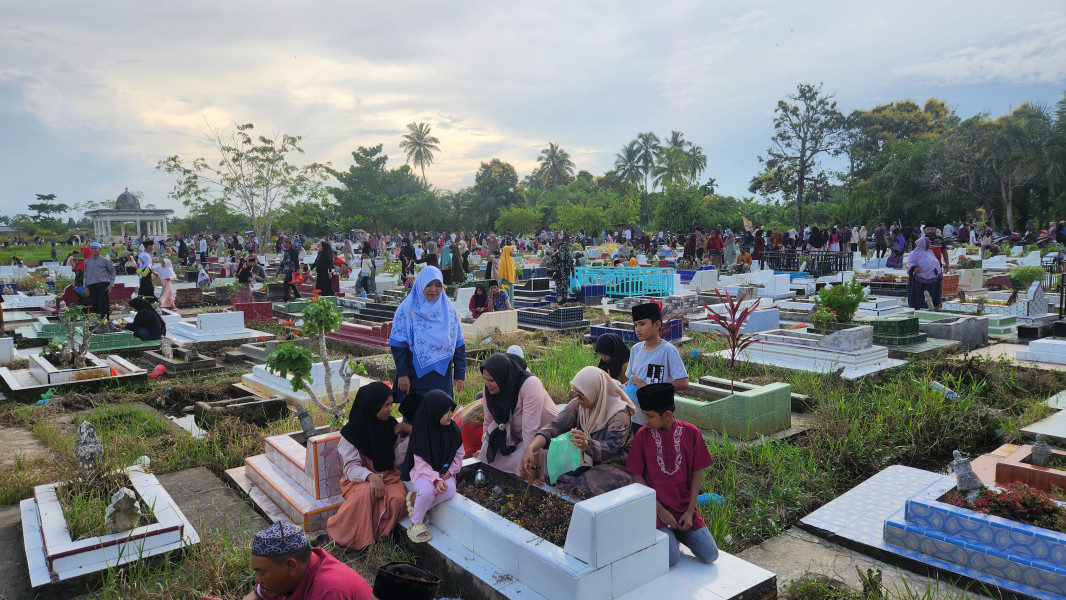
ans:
(859, 516)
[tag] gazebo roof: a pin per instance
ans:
(127, 201)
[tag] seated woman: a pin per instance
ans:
(479, 302)
(516, 407)
(147, 325)
(371, 452)
(614, 356)
(598, 420)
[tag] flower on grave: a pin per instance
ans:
(262, 338)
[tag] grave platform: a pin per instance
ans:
(219, 329)
(180, 363)
(259, 351)
(744, 414)
(850, 351)
(902, 337)
(558, 319)
(491, 323)
(369, 335)
(262, 382)
(30, 383)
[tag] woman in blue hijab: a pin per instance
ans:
(427, 340)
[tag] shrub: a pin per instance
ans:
(843, 299)
(1023, 277)
(1019, 502)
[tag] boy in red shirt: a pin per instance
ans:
(668, 456)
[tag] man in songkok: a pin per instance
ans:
(288, 568)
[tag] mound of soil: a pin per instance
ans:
(533, 509)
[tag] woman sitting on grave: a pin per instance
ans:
(925, 276)
(516, 407)
(598, 419)
(479, 302)
(372, 450)
(427, 341)
(614, 356)
(147, 325)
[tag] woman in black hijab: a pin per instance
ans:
(370, 450)
(407, 260)
(479, 302)
(516, 407)
(614, 356)
(147, 325)
(324, 270)
(434, 457)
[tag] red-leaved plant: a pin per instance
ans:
(1017, 502)
(732, 324)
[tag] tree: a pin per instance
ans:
(672, 167)
(519, 220)
(253, 176)
(578, 216)
(373, 196)
(420, 147)
(554, 166)
(677, 140)
(45, 207)
(1016, 152)
(697, 162)
(496, 184)
(648, 144)
(805, 129)
(627, 163)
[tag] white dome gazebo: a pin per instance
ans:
(150, 222)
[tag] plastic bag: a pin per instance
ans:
(631, 391)
(563, 457)
(575, 285)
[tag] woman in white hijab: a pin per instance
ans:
(166, 275)
(598, 419)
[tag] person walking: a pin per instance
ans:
(99, 277)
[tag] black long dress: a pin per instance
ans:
(323, 271)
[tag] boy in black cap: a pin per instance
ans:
(651, 360)
(668, 456)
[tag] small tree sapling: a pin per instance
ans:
(733, 323)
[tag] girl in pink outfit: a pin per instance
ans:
(434, 457)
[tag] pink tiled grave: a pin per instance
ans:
(53, 557)
(303, 482)
(371, 336)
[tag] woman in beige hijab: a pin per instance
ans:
(598, 419)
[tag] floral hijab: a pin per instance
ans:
(430, 329)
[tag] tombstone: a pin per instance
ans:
(972, 332)
(995, 263)
(7, 349)
(462, 301)
(1041, 453)
(967, 482)
(972, 280)
(1017, 250)
(88, 451)
(307, 424)
(704, 281)
(777, 287)
(124, 512)
(1031, 260)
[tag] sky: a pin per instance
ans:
(94, 94)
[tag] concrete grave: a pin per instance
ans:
(214, 327)
(250, 409)
(971, 332)
(764, 319)
(1048, 350)
(850, 351)
(744, 414)
(995, 263)
(703, 281)
(901, 334)
(777, 287)
(972, 280)
(264, 383)
(462, 301)
(491, 323)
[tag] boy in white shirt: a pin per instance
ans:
(653, 360)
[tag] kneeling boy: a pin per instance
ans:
(668, 456)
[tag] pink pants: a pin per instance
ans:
(426, 497)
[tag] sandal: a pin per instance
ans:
(410, 503)
(419, 533)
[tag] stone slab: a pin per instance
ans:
(1053, 426)
(1009, 351)
(22, 444)
(972, 332)
(214, 509)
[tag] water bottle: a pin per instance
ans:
(946, 391)
(708, 499)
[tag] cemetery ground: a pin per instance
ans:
(851, 431)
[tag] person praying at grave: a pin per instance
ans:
(925, 276)
(479, 302)
(516, 407)
(598, 419)
(287, 568)
(669, 456)
(427, 340)
(371, 450)
(144, 269)
(202, 278)
(614, 356)
(147, 325)
(434, 457)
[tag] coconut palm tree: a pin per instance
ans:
(671, 167)
(648, 143)
(677, 140)
(555, 166)
(627, 163)
(697, 162)
(420, 147)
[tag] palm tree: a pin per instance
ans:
(671, 167)
(420, 147)
(648, 143)
(697, 162)
(627, 163)
(677, 140)
(555, 168)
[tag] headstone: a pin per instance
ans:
(967, 482)
(166, 348)
(88, 450)
(307, 424)
(7, 349)
(704, 281)
(124, 512)
(1031, 260)
(1041, 454)
(462, 301)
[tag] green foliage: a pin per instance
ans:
(374, 197)
(575, 217)
(842, 298)
(320, 316)
(554, 167)
(518, 220)
(290, 359)
(1025, 276)
(496, 186)
(420, 146)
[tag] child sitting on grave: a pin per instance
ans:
(668, 456)
(434, 457)
(202, 278)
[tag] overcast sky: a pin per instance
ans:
(94, 94)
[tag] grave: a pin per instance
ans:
(902, 335)
(294, 481)
(179, 360)
(763, 319)
(374, 336)
(259, 351)
(876, 307)
(462, 301)
(558, 319)
(255, 311)
(703, 280)
(850, 351)
(1048, 350)
(491, 323)
(223, 327)
(250, 409)
(995, 263)
(1018, 466)
(40, 375)
(971, 332)
(1032, 305)
(998, 325)
(972, 280)
(777, 287)
(743, 414)
(671, 331)
(8, 353)
(53, 557)
(262, 382)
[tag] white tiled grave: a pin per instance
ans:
(8, 352)
(612, 550)
(214, 327)
(851, 349)
(491, 323)
(52, 556)
(42, 373)
(777, 287)
(264, 383)
(21, 301)
(1048, 350)
(170, 318)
